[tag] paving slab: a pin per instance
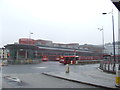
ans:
(96, 78)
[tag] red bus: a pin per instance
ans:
(69, 59)
(53, 57)
(79, 59)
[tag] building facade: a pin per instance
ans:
(35, 50)
(109, 48)
(92, 48)
(49, 43)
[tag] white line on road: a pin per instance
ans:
(40, 67)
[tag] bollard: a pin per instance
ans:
(76, 62)
(70, 62)
(118, 76)
(67, 68)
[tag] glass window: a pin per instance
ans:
(77, 58)
(67, 58)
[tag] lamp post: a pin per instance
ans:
(30, 35)
(101, 29)
(113, 38)
(30, 38)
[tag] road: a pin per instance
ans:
(33, 68)
(32, 78)
(45, 67)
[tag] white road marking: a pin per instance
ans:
(40, 67)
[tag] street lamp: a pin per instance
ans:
(101, 29)
(30, 35)
(113, 38)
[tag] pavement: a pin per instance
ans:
(0, 78)
(95, 77)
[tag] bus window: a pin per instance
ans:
(67, 58)
(71, 58)
(77, 58)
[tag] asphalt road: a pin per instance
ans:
(31, 76)
(45, 67)
(33, 68)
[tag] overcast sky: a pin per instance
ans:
(61, 21)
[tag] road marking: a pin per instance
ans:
(13, 78)
(40, 67)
